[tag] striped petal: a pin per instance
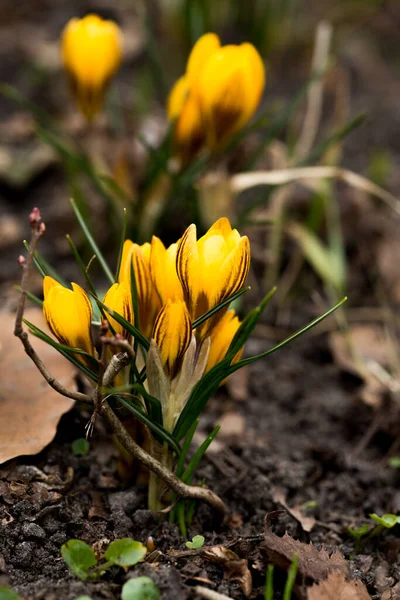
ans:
(172, 334)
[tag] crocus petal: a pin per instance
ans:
(203, 49)
(92, 52)
(212, 268)
(119, 299)
(163, 270)
(221, 338)
(68, 313)
(172, 334)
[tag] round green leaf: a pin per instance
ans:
(140, 588)
(125, 552)
(79, 557)
(7, 594)
(197, 542)
(83, 598)
(80, 447)
(387, 521)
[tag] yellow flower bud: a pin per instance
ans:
(172, 333)
(68, 313)
(220, 339)
(217, 96)
(119, 298)
(163, 270)
(212, 268)
(138, 257)
(92, 52)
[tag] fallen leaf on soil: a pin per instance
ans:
(238, 384)
(235, 568)
(232, 424)
(312, 563)
(369, 357)
(307, 523)
(337, 588)
(30, 408)
(392, 594)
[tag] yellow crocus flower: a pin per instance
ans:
(119, 299)
(92, 52)
(217, 96)
(172, 333)
(163, 270)
(68, 313)
(220, 339)
(212, 268)
(138, 257)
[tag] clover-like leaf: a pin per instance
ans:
(125, 552)
(140, 588)
(79, 557)
(7, 594)
(387, 520)
(197, 542)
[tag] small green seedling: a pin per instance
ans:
(384, 522)
(290, 581)
(394, 461)
(196, 543)
(7, 594)
(358, 534)
(83, 598)
(140, 588)
(82, 561)
(80, 447)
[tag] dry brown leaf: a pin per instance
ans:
(312, 563)
(307, 523)
(235, 568)
(337, 588)
(30, 408)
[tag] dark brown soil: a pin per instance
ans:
(302, 424)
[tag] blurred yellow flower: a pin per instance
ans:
(68, 313)
(212, 268)
(220, 339)
(149, 305)
(119, 299)
(172, 333)
(217, 96)
(163, 270)
(91, 51)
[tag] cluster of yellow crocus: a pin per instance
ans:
(217, 95)
(91, 51)
(174, 287)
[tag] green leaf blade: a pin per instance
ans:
(125, 552)
(79, 557)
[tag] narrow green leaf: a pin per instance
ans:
(159, 431)
(125, 552)
(31, 296)
(126, 325)
(198, 455)
(45, 268)
(292, 337)
(269, 583)
(185, 447)
(291, 578)
(247, 326)
(153, 405)
(79, 558)
(91, 242)
(81, 265)
(121, 245)
(67, 351)
(222, 304)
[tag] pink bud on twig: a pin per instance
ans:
(35, 216)
(21, 260)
